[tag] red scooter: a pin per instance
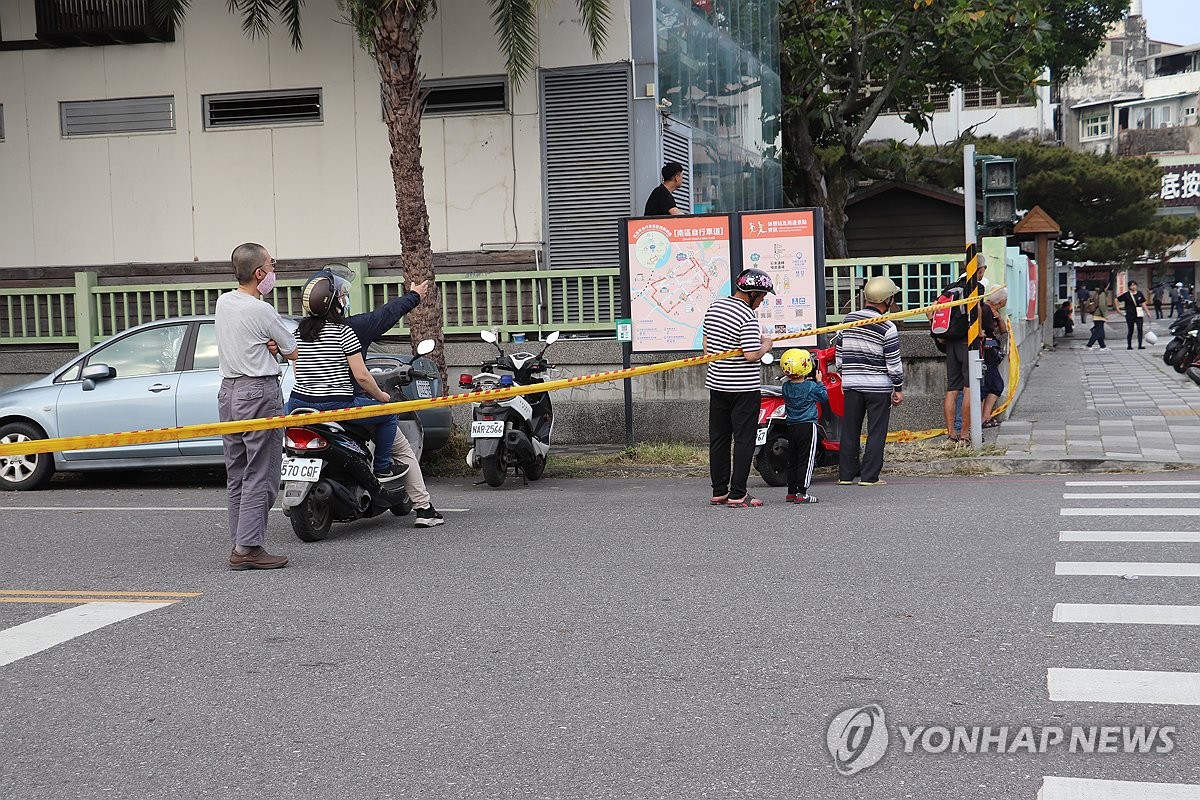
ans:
(771, 444)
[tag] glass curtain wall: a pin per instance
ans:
(718, 64)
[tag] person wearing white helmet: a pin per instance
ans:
(733, 386)
(872, 382)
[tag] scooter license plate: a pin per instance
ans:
(307, 470)
(487, 429)
(760, 438)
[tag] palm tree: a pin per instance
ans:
(390, 30)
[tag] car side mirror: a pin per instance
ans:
(425, 347)
(96, 372)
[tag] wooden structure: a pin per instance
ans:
(890, 217)
(1040, 227)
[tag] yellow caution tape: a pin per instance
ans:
(95, 440)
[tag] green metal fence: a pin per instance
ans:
(574, 300)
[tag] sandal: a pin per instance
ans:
(744, 502)
(718, 500)
(992, 423)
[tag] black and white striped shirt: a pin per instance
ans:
(870, 355)
(729, 324)
(322, 371)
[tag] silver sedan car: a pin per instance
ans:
(158, 375)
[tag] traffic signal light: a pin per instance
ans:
(999, 191)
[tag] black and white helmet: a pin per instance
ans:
(754, 280)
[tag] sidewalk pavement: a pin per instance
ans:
(1114, 409)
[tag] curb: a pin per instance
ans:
(1007, 465)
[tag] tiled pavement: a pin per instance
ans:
(1119, 405)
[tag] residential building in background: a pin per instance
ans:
(123, 143)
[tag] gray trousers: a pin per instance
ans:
(252, 460)
(414, 480)
(877, 408)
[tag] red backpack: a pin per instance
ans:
(950, 323)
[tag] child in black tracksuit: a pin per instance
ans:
(802, 391)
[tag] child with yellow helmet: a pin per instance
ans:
(802, 391)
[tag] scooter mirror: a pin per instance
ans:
(488, 336)
(552, 338)
(768, 358)
(425, 347)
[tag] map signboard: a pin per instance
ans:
(674, 267)
(788, 246)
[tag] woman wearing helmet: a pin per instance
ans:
(872, 382)
(802, 391)
(733, 386)
(330, 360)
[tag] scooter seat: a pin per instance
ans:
(773, 391)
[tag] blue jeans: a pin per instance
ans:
(384, 427)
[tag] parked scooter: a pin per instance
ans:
(771, 443)
(327, 468)
(514, 433)
(1184, 347)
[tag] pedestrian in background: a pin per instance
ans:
(1099, 305)
(872, 382)
(1158, 300)
(661, 201)
(1176, 301)
(734, 386)
(245, 327)
(1136, 311)
(802, 391)
(1084, 294)
(996, 340)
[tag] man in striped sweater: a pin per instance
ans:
(872, 382)
(733, 386)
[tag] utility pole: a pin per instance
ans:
(974, 361)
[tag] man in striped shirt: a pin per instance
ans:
(872, 382)
(733, 386)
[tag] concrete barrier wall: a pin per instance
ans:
(668, 406)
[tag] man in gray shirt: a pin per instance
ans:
(250, 390)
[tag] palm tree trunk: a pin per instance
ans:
(395, 41)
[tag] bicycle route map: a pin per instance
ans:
(677, 267)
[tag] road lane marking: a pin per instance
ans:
(1056, 788)
(1133, 483)
(1146, 568)
(78, 600)
(1123, 686)
(96, 593)
(1129, 512)
(1131, 496)
(62, 626)
(151, 508)
(1126, 614)
(1129, 536)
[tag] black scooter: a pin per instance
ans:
(1184, 347)
(327, 468)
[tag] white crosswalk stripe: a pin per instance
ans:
(1113, 499)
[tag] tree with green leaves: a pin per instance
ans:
(843, 63)
(1107, 206)
(390, 30)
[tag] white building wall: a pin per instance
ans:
(948, 125)
(313, 190)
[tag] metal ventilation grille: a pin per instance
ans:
(280, 107)
(677, 146)
(466, 96)
(586, 129)
(125, 115)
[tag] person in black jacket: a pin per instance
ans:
(370, 326)
(1136, 311)
(661, 201)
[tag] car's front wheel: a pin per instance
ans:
(24, 473)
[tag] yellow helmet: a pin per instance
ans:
(797, 362)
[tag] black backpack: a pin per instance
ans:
(950, 324)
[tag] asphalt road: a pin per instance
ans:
(585, 639)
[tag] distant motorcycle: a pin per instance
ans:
(511, 434)
(1184, 348)
(771, 442)
(327, 470)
